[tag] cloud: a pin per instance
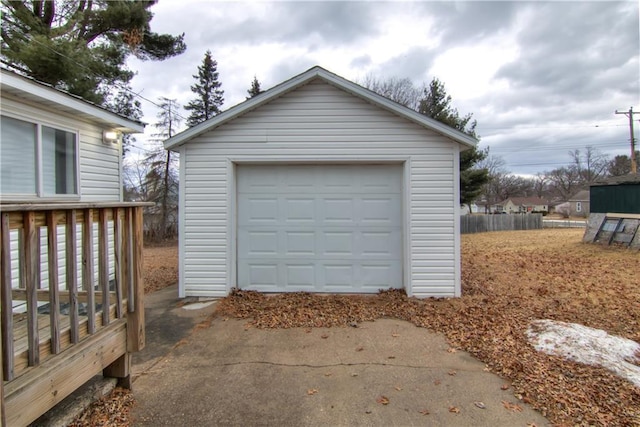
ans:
(536, 75)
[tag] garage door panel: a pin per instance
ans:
(299, 210)
(258, 210)
(338, 276)
(300, 276)
(337, 211)
(300, 243)
(320, 228)
(380, 211)
(337, 243)
(260, 243)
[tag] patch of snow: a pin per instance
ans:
(586, 345)
(197, 305)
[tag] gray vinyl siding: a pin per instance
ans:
(99, 172)
(319, 123)
(100, 164)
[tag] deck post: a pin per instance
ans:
(120, 369)
(3, 417)
(135, 319)
(28, 258)
(6, 300)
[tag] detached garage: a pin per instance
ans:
(319, 185)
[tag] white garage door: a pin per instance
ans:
(319, 228)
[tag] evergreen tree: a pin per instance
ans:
(254, 89)
(209, 95)
(81, 46)
(436, 104)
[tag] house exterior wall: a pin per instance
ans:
(100, 165)
(318, 123)
(99, 170)
(579, 208)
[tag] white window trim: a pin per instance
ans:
(578, 206)
(39, 194)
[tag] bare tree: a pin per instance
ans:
(161, 180)
(396, 89)
(590, 164)
(540, 185)
(564, 181)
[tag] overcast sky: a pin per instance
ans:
(541, 78)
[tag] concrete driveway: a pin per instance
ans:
(386, 372)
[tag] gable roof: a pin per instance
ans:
(318, 72)
(46, 95)
(629, 178)
(525, 201)
(580, 196)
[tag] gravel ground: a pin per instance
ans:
(510, 279)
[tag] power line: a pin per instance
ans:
(480, 128)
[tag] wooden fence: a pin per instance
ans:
(61, 326)
(481, 223)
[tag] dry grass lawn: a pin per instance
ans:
(509, 279)
(160, 266)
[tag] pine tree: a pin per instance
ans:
(254, 89)
(81, 46)
(209, 95)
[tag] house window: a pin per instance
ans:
(578, 206)
(37, 160)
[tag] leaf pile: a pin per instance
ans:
(110, 411)
(160, 267)
(509, 279)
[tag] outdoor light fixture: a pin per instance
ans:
(110, 137)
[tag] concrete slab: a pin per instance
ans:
(231, 374)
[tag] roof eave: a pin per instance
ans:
(15, 83)
(465, 140)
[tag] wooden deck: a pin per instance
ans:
(81, 320)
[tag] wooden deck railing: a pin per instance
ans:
(71, 281)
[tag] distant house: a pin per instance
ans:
(579, 204)
(522, 205)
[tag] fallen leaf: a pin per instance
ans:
(512, 406)
(452, 373)
(480, 405)
(437, 382)
(327, 374)
(395, 335)
(353, 374)
(454, 409)
(383, 400)
(324, 336)
(312, 391)
(359, 348)
(452, 350)
(398, 388)
(505, 387)
(425, 412)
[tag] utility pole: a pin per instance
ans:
(634, 161)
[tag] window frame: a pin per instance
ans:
(578, 206)
(40, 195)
